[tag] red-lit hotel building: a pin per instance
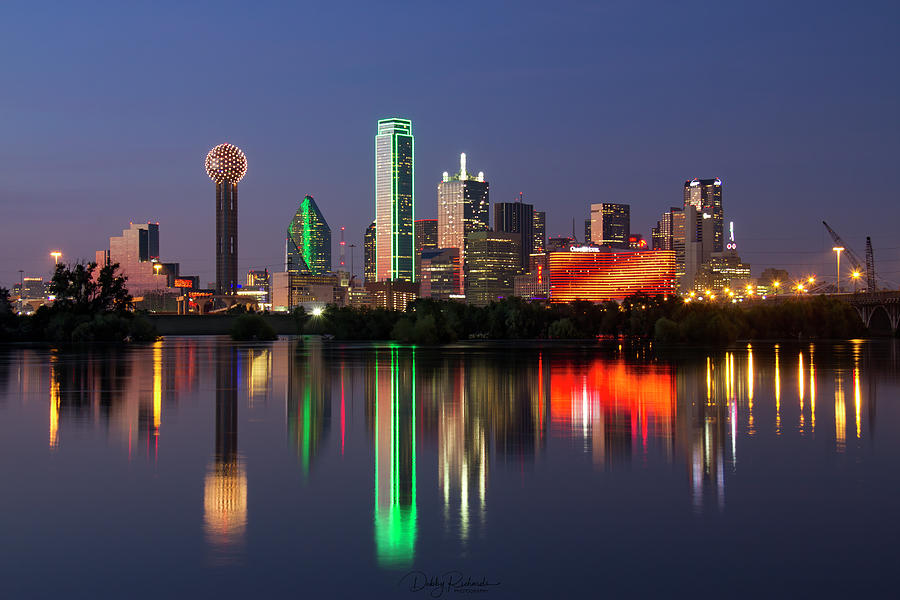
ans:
(600, 274)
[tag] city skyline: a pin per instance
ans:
(795, 101)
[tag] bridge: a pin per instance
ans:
(879, 311)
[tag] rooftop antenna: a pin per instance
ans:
(462, 166)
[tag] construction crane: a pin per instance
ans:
(855, 262)
(870, 266)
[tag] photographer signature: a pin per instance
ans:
(450, 581)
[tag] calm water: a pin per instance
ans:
(197, 467)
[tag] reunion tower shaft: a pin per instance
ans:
(226, 166)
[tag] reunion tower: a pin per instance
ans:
(226, 165)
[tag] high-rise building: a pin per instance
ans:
(394, 201)
(440, 273)
(657, 241)
(137, 253)
(494, 261)
(587, 231)
(308, 240)
(517, 217)
(705, 195)
(369, 253)
(669, 234)
(698, 243)
(463, 208)
(540, 231)
(426, 239)
(226, 165)
(610, 224)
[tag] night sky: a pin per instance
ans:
(107, 112)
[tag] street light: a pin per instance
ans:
(837, 252)
(56, 254)
(855, 275)
(156, 268)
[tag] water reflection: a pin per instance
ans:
(308, 400)
(225, 488)
(449, 426)
(393, 393)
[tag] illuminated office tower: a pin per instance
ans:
(426, 239)
(494, 261)
(369, 253)
(463, 207)
(517, 217)
(610, 224)
(394, 238)
(669, 234)
(308, 240)
(706, 196)
(587, 231)
(699, 229)
(226, 165)
(540, 231)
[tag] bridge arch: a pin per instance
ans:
(880, 321)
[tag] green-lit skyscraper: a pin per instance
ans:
(308, 240)
(394, 240)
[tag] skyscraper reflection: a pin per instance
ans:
(308, 400)
(396, 518)
(225, 488)
(462, 450)
(613, 405)
(701, 430)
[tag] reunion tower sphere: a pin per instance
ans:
(226, 161)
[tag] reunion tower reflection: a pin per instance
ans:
(225, 489)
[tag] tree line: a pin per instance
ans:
(667, 320)
(91, 304)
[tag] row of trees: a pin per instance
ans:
(91, 304)
(663, 319)
(94, 305)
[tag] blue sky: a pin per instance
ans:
(107, 110)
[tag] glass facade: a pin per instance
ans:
(706, 196)
(610, 224)
(463, 208)
(517, 217)
(369, 253)
(426, 239)
(493, 263)
(540, 231)
(440, 273)
(394, 201)
(308, 240)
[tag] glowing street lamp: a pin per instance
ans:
(56, 254)
(776, 284)
(749, 290)
(837, 252)
(156, 268)
(855, 275)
